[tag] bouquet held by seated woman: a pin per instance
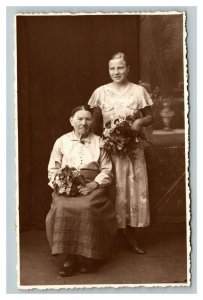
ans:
(67, 180)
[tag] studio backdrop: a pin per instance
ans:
(60, 61)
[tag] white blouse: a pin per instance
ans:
(86, 154)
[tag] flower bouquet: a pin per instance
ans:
(118, 136)
(67, 180)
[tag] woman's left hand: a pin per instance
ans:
(88, 188)
(136, 127)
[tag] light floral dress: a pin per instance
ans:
(132, 201)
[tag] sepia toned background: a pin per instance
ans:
(61, 60)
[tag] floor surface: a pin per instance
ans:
(165, 261)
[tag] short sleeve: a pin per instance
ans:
(144, 98)
(95, 99)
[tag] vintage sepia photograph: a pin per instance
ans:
(102, 150)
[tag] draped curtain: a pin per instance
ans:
(60, 61)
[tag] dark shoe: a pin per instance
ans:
(132, 244)
(85, 269)
(137, 249)
(69, 268)
(67, 271)
(89, 268)
(89, 265)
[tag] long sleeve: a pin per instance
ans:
(68, 150)
(104, 178)
(97, 125)
(54, 162)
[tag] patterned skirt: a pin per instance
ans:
(83, 225)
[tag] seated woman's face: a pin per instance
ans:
(81, 122)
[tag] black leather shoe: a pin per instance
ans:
(67, 271)
(89, 269)
(85, 269)
(137, 249)
(69, 268)
(134, 247)
(90, 265)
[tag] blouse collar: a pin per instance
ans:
(82, 141)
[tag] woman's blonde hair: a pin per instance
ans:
(120, 55)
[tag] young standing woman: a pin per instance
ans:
(119, 99)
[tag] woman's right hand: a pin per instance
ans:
(136, 127)
(88, 188)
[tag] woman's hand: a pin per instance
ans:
(101, 144)
(88, 188)
(136, 127)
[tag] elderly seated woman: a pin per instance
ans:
(81, 222)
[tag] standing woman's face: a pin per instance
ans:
(118, 70)
(81, 122)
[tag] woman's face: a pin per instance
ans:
(118, 70)
(81, 122)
